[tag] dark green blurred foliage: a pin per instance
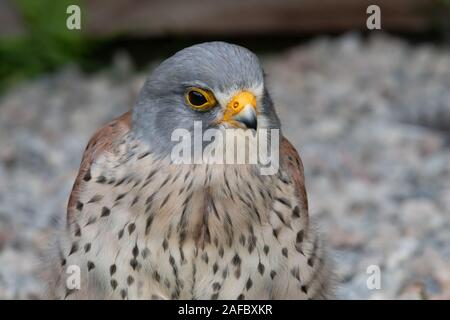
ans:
(46, 44)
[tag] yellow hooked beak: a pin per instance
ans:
(242, 108)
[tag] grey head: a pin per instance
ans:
(221, 69)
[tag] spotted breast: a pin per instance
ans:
(140, 227)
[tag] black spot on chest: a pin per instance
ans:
(105, 212)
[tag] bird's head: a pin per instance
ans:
(218, 84)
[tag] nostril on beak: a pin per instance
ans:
(242, 108)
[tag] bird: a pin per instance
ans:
(142, 226)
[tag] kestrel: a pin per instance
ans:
(142, 226)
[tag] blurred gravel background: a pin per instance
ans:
(370, 118)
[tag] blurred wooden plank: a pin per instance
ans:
(207, 17)
(10, 21)
(237, 17)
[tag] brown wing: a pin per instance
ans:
(293, 165)
(102, 141)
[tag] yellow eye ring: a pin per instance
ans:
(200, 99)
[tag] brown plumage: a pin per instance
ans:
(101, 141)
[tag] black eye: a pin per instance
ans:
(197, 98)
(200, 99)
